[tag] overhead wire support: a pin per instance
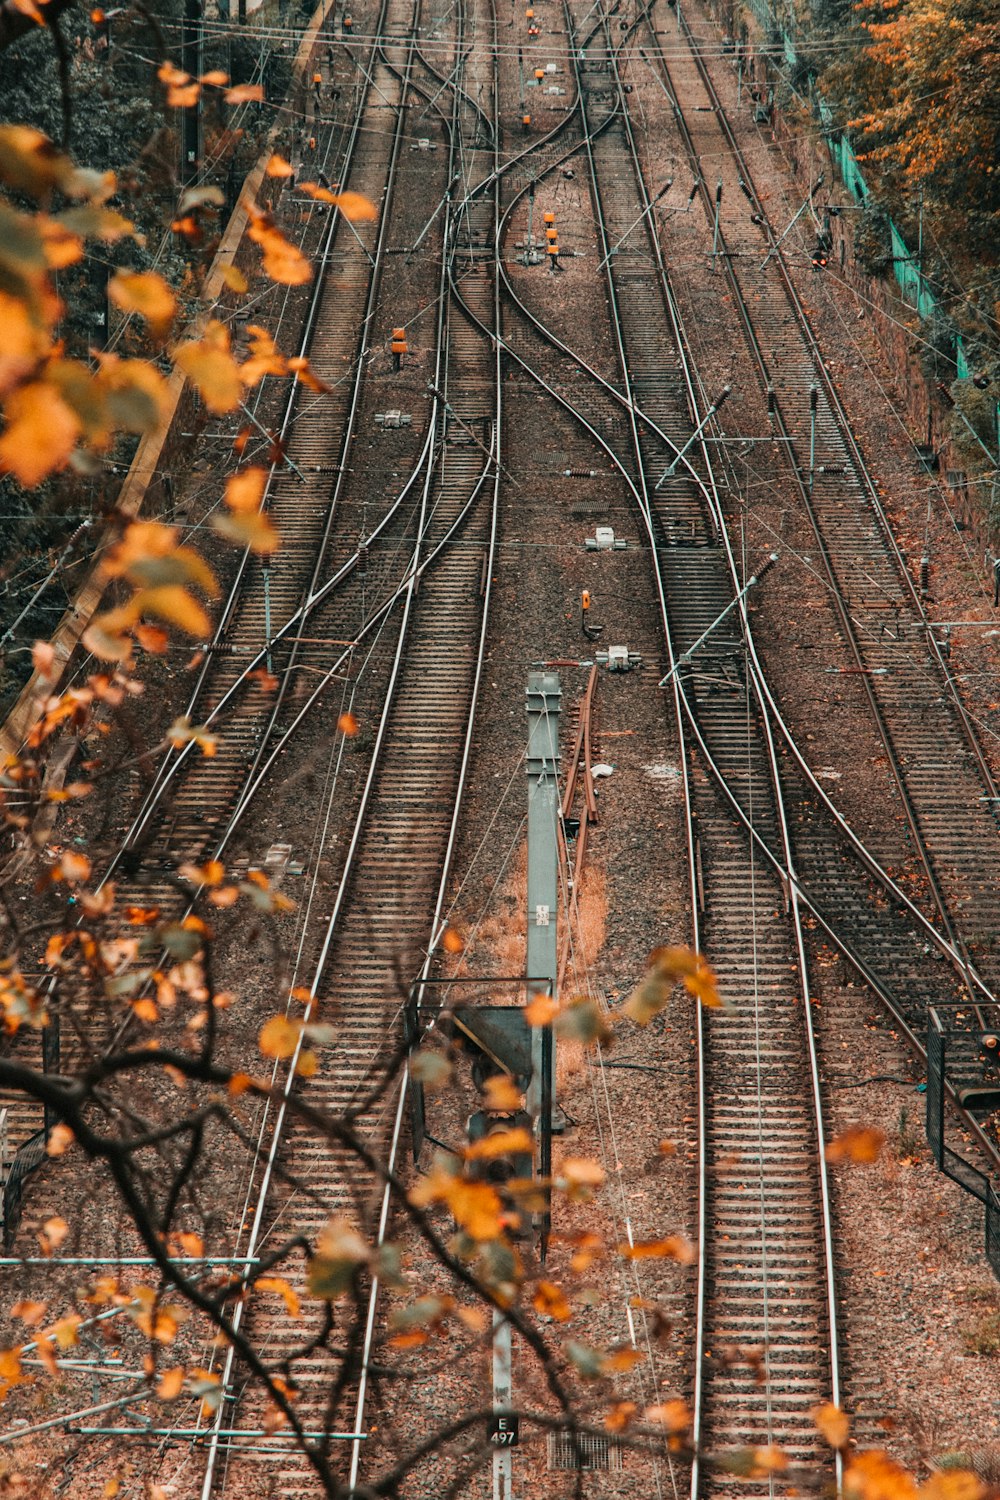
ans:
(664, 190)
(687, 656)
(671, 468)
(794, 220)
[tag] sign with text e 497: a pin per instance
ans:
(505, 1430)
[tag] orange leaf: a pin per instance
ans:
(673, 1415)
(52, 1234)
(279, 1037)
(283, 261)
(216, 78)
(40, 435)
(348, 725)
(356, 207)
(245, 490)
(674, 1247)
(245, 93)
(832, 1424)
(171, 1383)
(60, 1139)
(31, 1313)
(550, 1301)
(234, 279)
(284, 1289)
(859, 1143)
(279, 167)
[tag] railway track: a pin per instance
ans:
(385, 910)
(941, 774)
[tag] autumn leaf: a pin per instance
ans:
(234, 279)
(277, 166)
(674, 1415)
(668, 966)
(171, 1383)
(832, 1424)
(354, 206)
(579, 1176)
(540, 1011)
(674, 1247)
(283, 261)
(245, 489)
(340, 1250)
(500, 1143)
(31, 1313)
(245, 93)
(499, 1093)
(875, 1476)
(209, 365)
(432, 1069)
(347, 724)
(40, 434)
(52, 1234)
(859, 1143)
(145, 293)
(284, 1289)
(279, 1037)
(60, 1139)
(177, 606)
(550, 1302)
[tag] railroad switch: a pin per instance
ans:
(393, 419)
(619, 659)
(604, 540)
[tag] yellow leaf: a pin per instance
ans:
(65, 1332)
(234, 279)
(307, 1065)
(173, 603)
(832, 1424)
(40, 435)
(255, 531)
(145, 293)
(770, 1460)
(209, 365)
(859, 1143)
(668, 966)
(171, 1383)
(279, 1037)
(111, 1489)
(500, 1143)
(284, 1289)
